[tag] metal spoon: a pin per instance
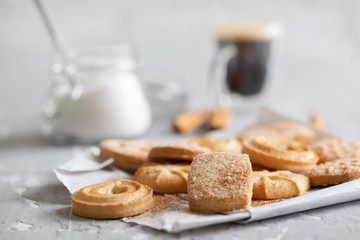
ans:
(57, 40)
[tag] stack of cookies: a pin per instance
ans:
(269, 162)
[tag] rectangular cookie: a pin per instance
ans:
(220, 182)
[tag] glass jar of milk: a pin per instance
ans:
(95, 94)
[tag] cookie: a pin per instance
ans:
(287, 130)
(114, 199)
(220, 118)
(169, 178)
(280, 154)
(334, 172)
(215, 144)
(175, 152)
(331, 149)
(279, 184)
(127, 154)
(220, 182)
(190, 121)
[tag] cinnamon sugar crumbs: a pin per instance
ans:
(163, 204)
(260, 203)
(160, 200)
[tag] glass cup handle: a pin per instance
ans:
(57, 98)
(218, 73)
(77, 86)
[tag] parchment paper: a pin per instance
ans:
(174, 215)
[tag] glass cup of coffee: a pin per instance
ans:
(241, 65)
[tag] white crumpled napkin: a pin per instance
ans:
(85, 169)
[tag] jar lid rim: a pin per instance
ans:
(104, 56)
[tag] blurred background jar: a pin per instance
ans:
(95, 93)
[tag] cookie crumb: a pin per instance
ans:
(317, 120)
(228, 179)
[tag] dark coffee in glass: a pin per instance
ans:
(247, 70)
(241, 65)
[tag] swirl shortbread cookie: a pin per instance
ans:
(279, 184)
(215, 144)
(280, 154)
(286, 130)
(168, 178)
(220, 182)
(334, 172)
(332, 148)
(127, 154)
(178, 152)
(114, 199)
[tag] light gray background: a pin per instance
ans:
(319, 69)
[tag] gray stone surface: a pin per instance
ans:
(318, 70)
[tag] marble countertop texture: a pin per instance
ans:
(318, 70)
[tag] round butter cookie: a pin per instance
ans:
(179, 152)
(280, 154)
(220, 182)
(168, 178)
(279, 184)
(332, 148)
(286, 130)
(114, 199)
(334, 172)
(129, 154)
(215, 144)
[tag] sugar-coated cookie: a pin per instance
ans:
(130, 154)
(279, 184)
(220, 182)
(334, 172)
(167, 178)
(286, 130)
(114, 199)
(332, 148)
(215, 144)
(280, 154)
